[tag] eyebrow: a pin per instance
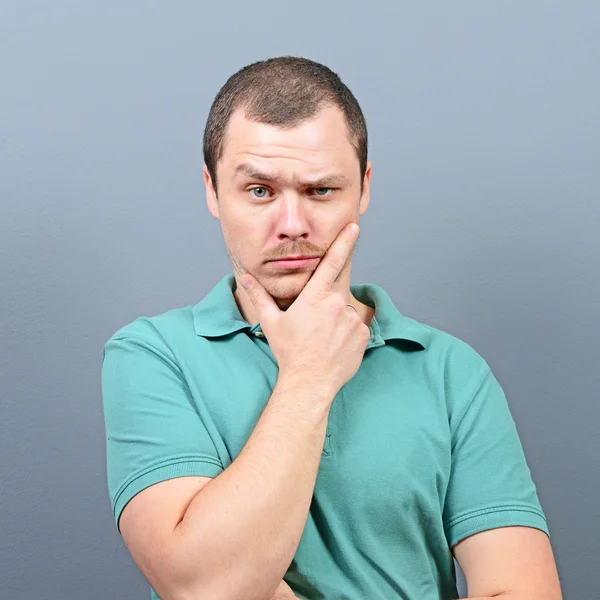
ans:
(332, 180)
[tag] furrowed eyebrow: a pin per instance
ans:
(333, 180)
(252, 173)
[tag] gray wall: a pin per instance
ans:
(485, 136)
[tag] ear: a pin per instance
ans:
(211, 194)
(366, 194)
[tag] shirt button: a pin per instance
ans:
(259, 334)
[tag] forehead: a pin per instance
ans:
(320, 142)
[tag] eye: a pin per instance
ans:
(322, 191)
(259, 192)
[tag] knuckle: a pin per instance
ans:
(337, 261)
(320, 296)
(338, 306)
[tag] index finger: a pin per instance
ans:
(334, 261)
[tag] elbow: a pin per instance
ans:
(198, 592)
(177, 591)
(198, 587)
(170, 583)
(220, 589)
(174, 578)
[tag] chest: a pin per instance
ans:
(387, 428)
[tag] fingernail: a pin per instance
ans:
(246, 283)
(354, 228)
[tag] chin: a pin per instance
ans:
(287, 287)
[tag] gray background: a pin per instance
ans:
(485, 137)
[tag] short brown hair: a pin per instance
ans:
(282, 91)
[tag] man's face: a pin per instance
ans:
(285, 192)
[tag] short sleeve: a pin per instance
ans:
(490, 482)
(154, 432)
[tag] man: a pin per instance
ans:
(301, 437)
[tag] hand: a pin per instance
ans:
(318, 338)
(283, 592)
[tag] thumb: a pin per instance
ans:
(262, 300)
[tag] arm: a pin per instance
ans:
(237, 536)
(283, 592)
(513, 563)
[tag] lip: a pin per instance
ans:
(296, 263)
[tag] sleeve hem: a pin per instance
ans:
(182, 467)
(493, 518)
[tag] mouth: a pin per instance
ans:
(295, 263)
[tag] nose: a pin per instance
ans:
(292, 219)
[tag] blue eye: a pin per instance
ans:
(261, 189)
(322, 191)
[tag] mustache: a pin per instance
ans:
(295, 251)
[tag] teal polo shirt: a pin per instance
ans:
(421, 449)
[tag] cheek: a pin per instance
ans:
(336, 225)
(235, 225)
(243, 241)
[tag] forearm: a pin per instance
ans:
(240, 533)
(283, 592)
(503, 596)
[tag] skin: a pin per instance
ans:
(292, 211)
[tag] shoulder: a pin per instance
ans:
(167, 325)
(452, 366)
(445, 353)
(165, 333)
(456, 355)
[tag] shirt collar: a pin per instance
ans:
(217, 314)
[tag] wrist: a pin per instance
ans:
(314, 392)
